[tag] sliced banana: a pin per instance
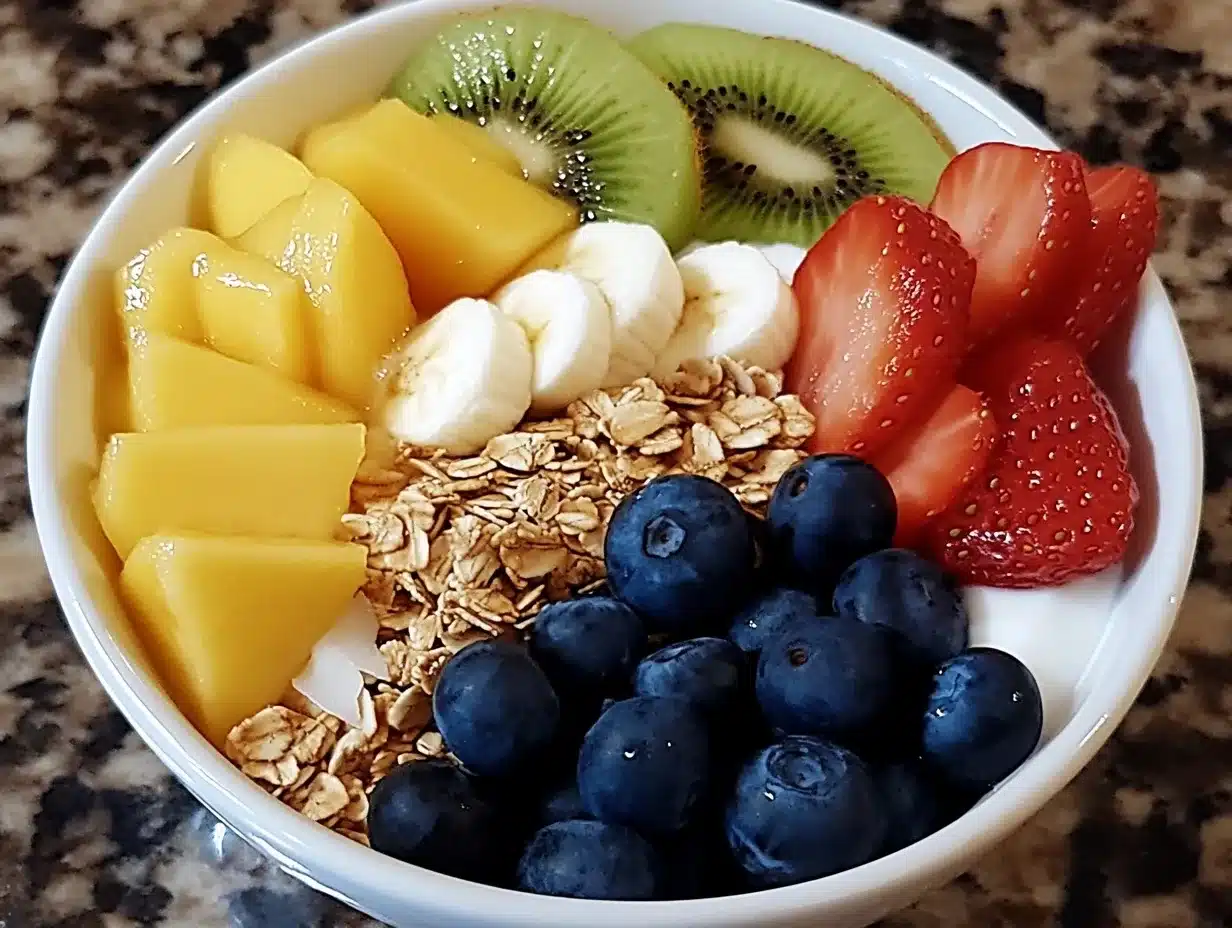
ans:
(461, 378)
(785, 257)
(569, 326)
(736, 304)
(633, 269)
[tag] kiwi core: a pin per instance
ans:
(538, 157)
(757, 152)
(740, 141)
(551, 156)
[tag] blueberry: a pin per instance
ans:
(913, 596)
(495, 708)
(913, 804)
(562, 804)
(708, 673)
(833, 678)
(765, 615)
(984, 718)
(895, 735)
(259, 907)
(681, 552)
(645, 764)
(761, 539)
(698, 862)
(430, 815)
(803, 808)
(590, 860)
(827, 512)
(587, 646)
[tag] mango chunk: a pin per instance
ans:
(229, 621)
(262, 480)
(173, 384)
(461, 224)
(193, 285)
(252, 311)
(156, 290)
(246, 177)
(357, 292)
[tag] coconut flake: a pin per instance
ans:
(332, 679)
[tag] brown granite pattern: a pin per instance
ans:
(94, 833)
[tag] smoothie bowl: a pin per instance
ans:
(683, 464)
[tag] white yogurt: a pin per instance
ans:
(1055, 631)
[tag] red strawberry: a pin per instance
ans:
(1023, 215)
(1057, 499)
(929, 466)
(883, 322)
(1124, 227)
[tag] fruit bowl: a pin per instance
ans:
(1091, 645)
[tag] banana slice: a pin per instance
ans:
(461, 378)
(785, 257)
(569, 326)
(736, 304)
(633, 269)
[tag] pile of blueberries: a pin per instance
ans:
(749, 704)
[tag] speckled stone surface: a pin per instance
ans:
(94, 833)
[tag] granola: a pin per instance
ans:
(466, 548)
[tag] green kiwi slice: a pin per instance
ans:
(588, 121)
(790, 135)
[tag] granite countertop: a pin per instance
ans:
(93, 832)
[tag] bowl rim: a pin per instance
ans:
(352, 873)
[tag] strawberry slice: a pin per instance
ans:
(883, 302)
(1124, 228)
(1057, 499)
(929, 466)
(1023, 215)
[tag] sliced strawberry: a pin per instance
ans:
(1057, 499)
(883, 302)
(1023, 215)
(1124, 227)
(929, 466)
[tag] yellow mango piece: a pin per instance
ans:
(359, 303)
(156, 290)
(192, 285)
(262, 480)
(174, 384)
(272, 234)
(461, 224)
(481, 143)
(252, 311)
(246, 177)
(108, 358)
(229, 621)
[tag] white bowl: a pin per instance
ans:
(1092, 659)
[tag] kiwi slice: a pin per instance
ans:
(790, 135)
(587, 120)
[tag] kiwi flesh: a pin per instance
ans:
(790, 135)
(587, 120)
